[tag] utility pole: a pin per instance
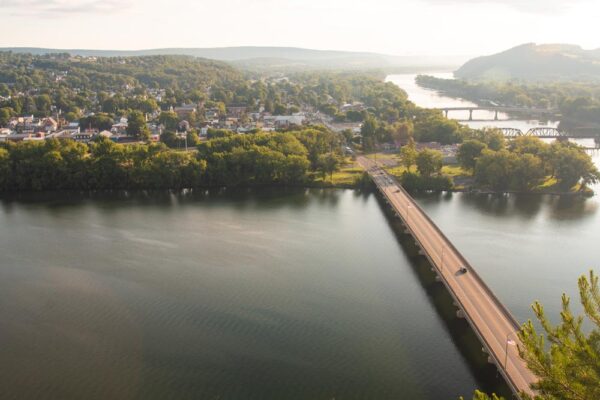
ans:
(512, 343)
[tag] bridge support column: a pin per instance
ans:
(471, 115)
(496, 116)
(446, 113)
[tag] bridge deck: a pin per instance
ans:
(491, 321)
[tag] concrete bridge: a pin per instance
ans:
(544, 112)
(491, 321)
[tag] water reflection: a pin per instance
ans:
(226, 294)
(457, 328)
(528, 206)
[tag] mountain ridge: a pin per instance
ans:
(259, 55)
(535, 62)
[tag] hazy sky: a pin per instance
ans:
(427, 27)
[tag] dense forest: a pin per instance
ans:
(289, 158)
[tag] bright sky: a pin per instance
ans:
(400, 27)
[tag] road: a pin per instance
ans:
(491, 321)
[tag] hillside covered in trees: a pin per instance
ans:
(531, 62)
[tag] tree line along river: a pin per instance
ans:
(270, 294)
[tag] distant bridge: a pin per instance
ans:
(540, 132)
(545, 112)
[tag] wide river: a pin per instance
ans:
(277, 294)
(527, 247)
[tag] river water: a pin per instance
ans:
(282, 294)
(432, 99)
(303, 294)
(527, 247)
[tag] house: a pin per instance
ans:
(106, 134)
(156, 129)
(84, 137)
(284, 121)
(185, 110)
(18, 137)
(73, 125)
(49, 124)
(236, 111)
(120, 127)
(211, 114)
(355, 106)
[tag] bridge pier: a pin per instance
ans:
(471, 114)
(496, 116)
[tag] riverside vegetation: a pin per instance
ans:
(97, 91)
(577, 102)
(566, 356)
(290, 158)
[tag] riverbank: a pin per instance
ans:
(464, 182)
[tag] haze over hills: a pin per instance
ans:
(533, 62)
(269, 57)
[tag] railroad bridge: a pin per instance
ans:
(540, 132)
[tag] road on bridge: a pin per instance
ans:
(491, 321)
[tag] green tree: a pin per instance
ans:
(429, 162)
(408, 154)
(528, 172)
(169, 119)
(572, 165)
(468, 152)
(328, 164)
(98, 121)
(495, 169)
(566, 357)
(5, 114)
(136, 126)
(368, 132)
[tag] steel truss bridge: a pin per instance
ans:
(540, 132)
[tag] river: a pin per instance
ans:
(528, 247)
(277, 294)
(302, 294)
(432, 99)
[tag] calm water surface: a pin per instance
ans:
(432, 99)
(278, 295)
(282, 295)
(527, 247)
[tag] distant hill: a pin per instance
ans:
(269, 57)
(535, 63)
